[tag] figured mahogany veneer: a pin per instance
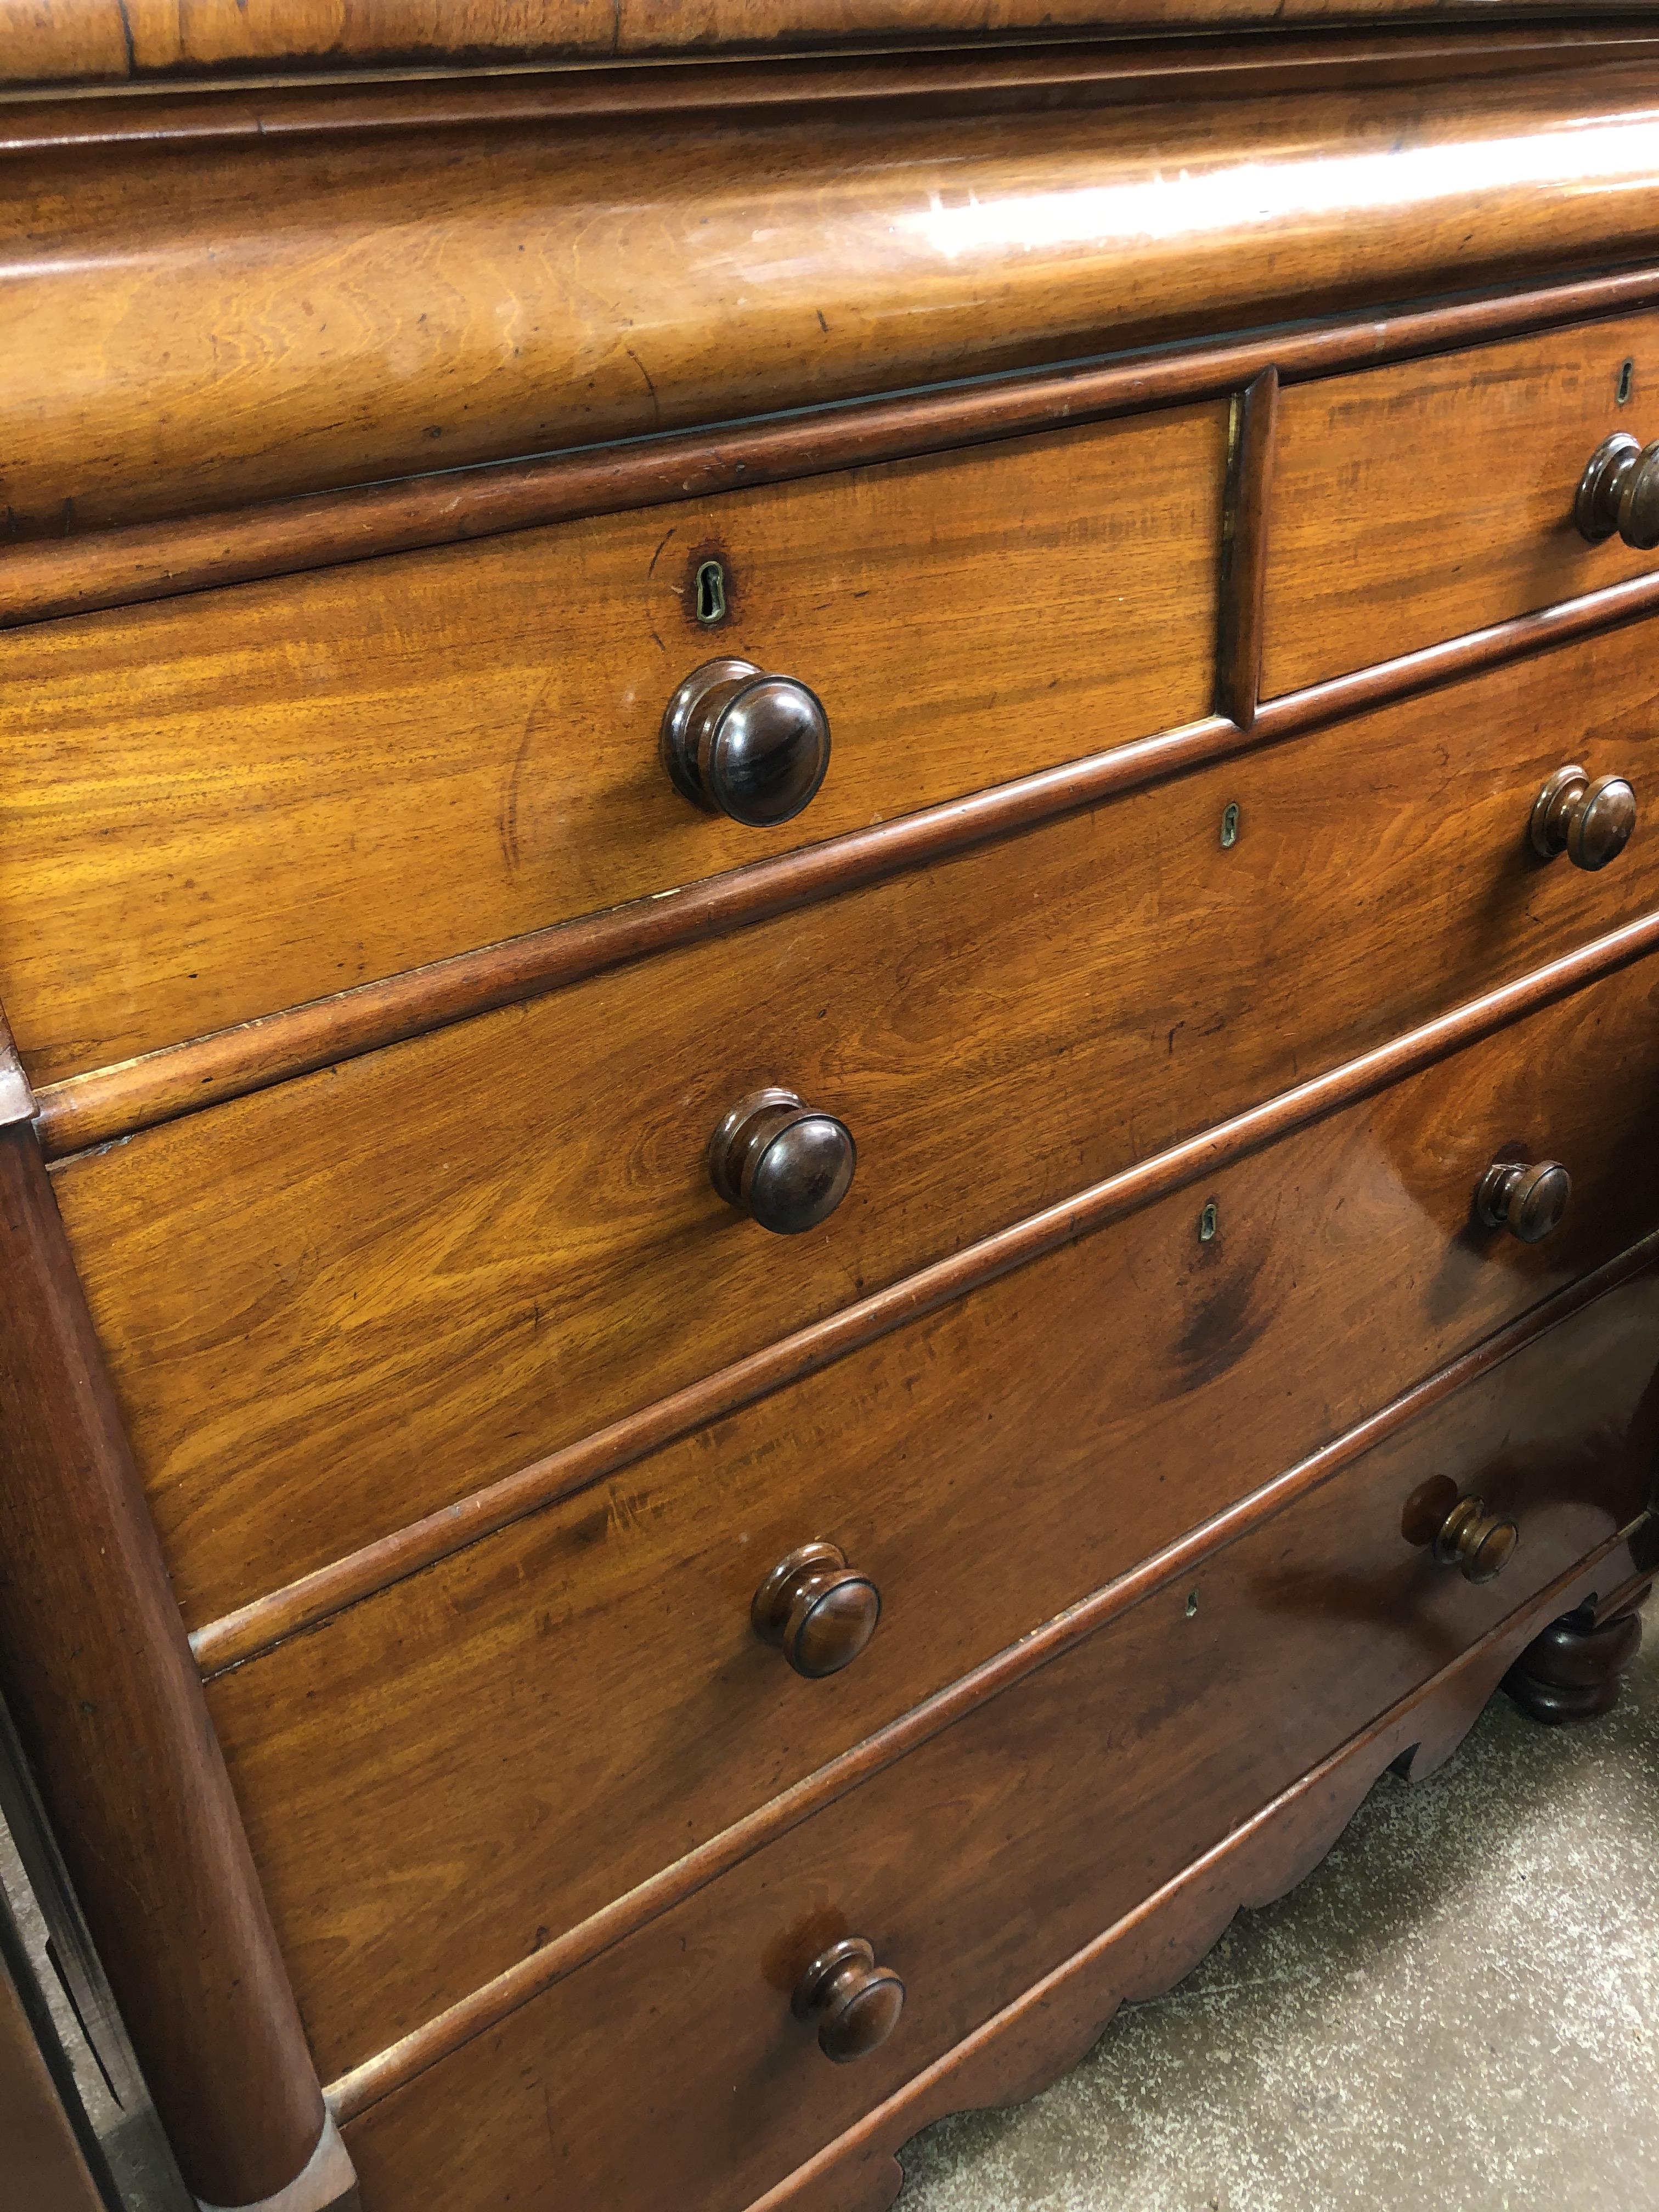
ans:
(269, 794)
(187, 333)
(1415, 503)
(991, 1853)
(995, 1033)
(430, 1742)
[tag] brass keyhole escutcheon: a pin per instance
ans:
(710, 590)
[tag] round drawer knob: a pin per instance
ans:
(1527, 1201)
(1620, 490)
(855, 2002)
(738, 742)
(1476, 1542)
(818, 1611)
(1590, 822)
(783, 1161)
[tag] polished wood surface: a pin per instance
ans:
(114, 41)
(116, 1101)
(44, 578)
(975, 1864)
(269, 794)
(352, 1576)
(220, 1252)
(488, 2006)
(1423, 500)
(96, 1673)
(186, 335)
(433, 1714)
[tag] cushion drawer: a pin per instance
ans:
(670, 2068)
(346, 1302)
(544, 1720)
(263, 795)
(1416, 502)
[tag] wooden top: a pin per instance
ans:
(111, 41)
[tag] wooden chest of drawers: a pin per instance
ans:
(832, 941)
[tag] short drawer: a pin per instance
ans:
(670, 2069)
(538, 1722)
(246, 799)
(1416, 502)
(342, 1304)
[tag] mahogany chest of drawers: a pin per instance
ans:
(831, 922)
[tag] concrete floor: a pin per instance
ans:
(1457, 2012)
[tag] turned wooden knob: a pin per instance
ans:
(783, 1161)
(1527, 1201)
(1476, 1542)
(855, 2002)
(818, 1610)
(1620, 490)
(1590, 822)
(741, 743)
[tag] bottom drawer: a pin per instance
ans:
(670, 2069)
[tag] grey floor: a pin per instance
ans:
(1458, 2011)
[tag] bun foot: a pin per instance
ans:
(1571, 1672)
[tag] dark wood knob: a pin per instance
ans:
(1620, 490)
(1590, 822)
(818, 1610)
(1527, 1201)
(782, 1161)
(741, 743)
(1476, 1542)
(855, 2002)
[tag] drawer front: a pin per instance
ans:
(264, 795)
(1416, 502)
(542, 1721)
(670, 2069)
(344, 1302)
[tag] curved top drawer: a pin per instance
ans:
(190, 329)
(113, 40)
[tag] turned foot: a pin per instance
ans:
(1571, 1672)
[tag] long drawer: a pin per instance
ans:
(670, 2068)
(230, 804)
(1418, 501)
(345, 1303)
(542, 1721)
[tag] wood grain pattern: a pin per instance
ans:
(115, 1101)
(976, 1863)
(114, 41)
(1051, 2027)
(186, 335)
(96, 1672)
(267, 795)
(525, 1794)
(1418, 501)
(47, 578)
(566, 1260)
(487, 2007)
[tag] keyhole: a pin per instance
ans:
(711, 592)
(1229, 825)
(1192, 1605)
(1626, 378)
(1208, 1222)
